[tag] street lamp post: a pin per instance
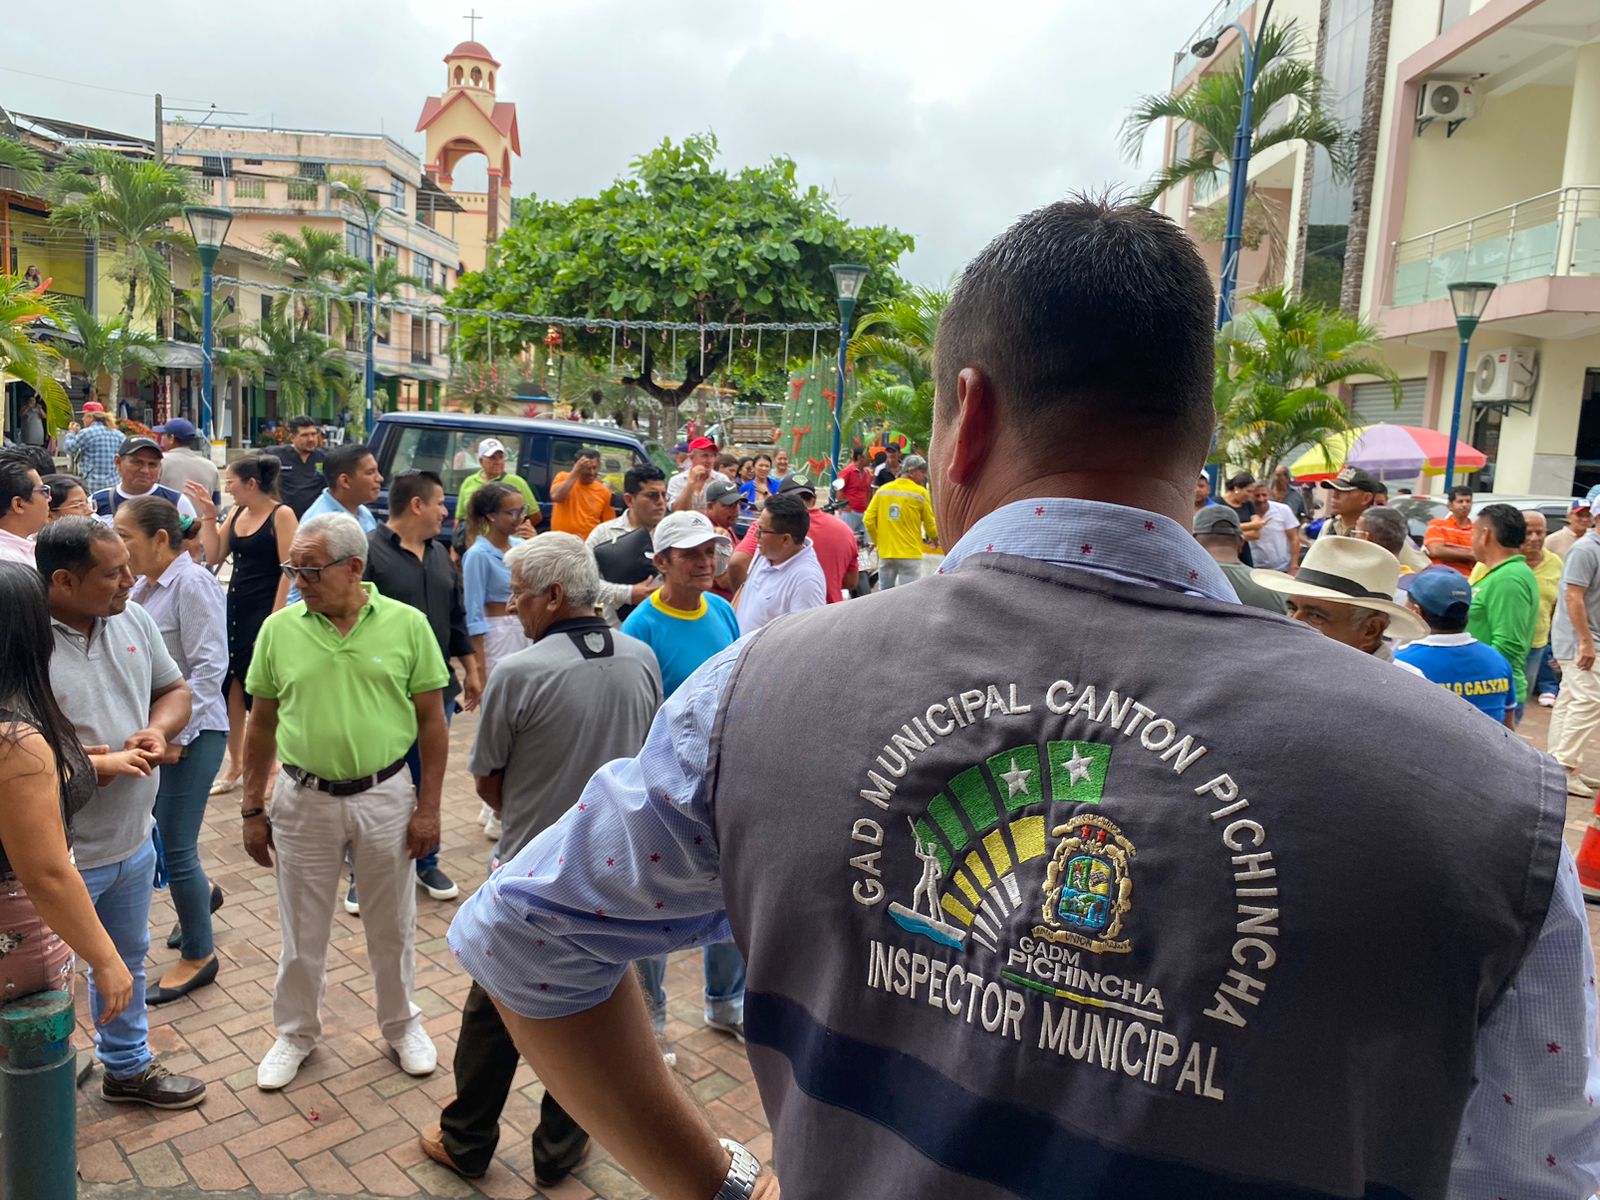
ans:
(369, 379)
(847, 280)
(1234, 234)
(1468, 299)
(210, 229)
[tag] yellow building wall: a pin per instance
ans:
(1511, 151)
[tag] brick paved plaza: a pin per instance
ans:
(348, 1124)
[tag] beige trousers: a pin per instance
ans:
(311, 831)
(1576, 714)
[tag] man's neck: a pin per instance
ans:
(1461, 522)
(1535, 559)
(1221, 555)
(345, 616)
(77, 622)
(412, 539)
(570, 613)
(688, 600)
(344, 502)
(1171, 497)
(1497, 555)
(127, 495)
(15, 528)
(305, 455)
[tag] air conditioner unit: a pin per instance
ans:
(1446, 100)
(1506, 376)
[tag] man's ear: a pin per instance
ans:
(974, 428)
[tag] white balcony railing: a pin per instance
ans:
(1557, 233)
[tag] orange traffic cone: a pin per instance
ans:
(1589, 857)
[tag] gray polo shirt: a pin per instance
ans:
(182, 465)
(104, 687)
(557, 712)
(1582, 567)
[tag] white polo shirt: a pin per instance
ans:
(789, 586)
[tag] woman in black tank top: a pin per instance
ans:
(257, 535)
(45, 778)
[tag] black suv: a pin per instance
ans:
(538, 449)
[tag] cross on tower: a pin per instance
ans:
(472, 18)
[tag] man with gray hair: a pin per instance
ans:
(343, 682)
(1386, 527)
(582, 695)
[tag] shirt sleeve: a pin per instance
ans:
(428, 670)
(749, 543)
(474, 576)
(491, 747)
(631, 871)
(1531, 1128)
(870, 517)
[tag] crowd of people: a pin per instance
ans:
(654, 777)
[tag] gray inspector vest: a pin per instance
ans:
(1075, 908)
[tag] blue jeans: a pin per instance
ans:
(121, 896)
(724, 967)
(180, 807)
(1542, 677)
(430, 860)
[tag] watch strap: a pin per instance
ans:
(740, 1183)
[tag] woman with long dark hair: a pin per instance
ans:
(69, 497)
(188, 606)
(45, 778)
(257, 534)
(759, 486)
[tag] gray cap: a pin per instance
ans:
(913, 462)
(1217, 518)
(721, 491)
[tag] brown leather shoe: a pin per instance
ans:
(432, 1143)
(155, 1086)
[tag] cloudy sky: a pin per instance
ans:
(944, 119)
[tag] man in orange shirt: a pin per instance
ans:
(579, 501)
(1448, 540)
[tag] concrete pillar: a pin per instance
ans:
(1581, 165)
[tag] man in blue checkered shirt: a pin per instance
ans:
(95, 448)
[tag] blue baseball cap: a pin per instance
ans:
(1592, 498)
(179, 427)
(1441, 592)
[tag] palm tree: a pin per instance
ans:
(1287, 107)
(21, 357)
(105, 195)
(895, 339)
(1365, 160)
(26, 162)
(309, 369)
(318, 260)
(107, 348)
(1275, 362)
(386, 279)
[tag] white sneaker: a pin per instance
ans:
(492, 828)
(417, 1053)
(280, 1066)
(1546, 700)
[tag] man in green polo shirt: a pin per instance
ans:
(1505, 601)
(343, 682)
(492, 469)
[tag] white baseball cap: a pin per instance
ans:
(490, 446)
(683, 530)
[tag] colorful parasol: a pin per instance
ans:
(1387, 451)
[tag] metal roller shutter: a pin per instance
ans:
(1374, 402)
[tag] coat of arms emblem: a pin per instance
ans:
(1087, 889)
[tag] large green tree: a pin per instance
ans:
(24, 358)
(133, 202)
(1276, 362)
(678, 239)
(310, 371)
(111, 348)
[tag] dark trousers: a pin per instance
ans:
(486, 1060)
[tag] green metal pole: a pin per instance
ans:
(38, 1095)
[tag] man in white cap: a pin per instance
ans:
(1345, 591)
(686, 625)
(492, 469)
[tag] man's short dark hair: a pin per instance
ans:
(409, 486)
(1241, 480)
(36, 457)
(1092, 317)
(296, 424)
(16, 479)
(1458, 491)
(344, 460)
(1436, 624)
(586, 452)
(633, 482)
(789, 515)
(1509, 525)
(68, 545)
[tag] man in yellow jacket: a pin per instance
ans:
(899, 520)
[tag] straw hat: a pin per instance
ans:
(1349, 570)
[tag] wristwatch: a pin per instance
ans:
(742, 1172)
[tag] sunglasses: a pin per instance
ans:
(311, 574)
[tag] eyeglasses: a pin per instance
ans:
(43, 490)
(518, 513)
(311, 574)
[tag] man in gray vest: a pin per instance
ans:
(1173, 954)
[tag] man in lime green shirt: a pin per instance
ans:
(899, 519)
(492, 469)
(1505, 602)
(343, 682)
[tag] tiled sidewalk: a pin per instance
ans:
(348, 1124)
